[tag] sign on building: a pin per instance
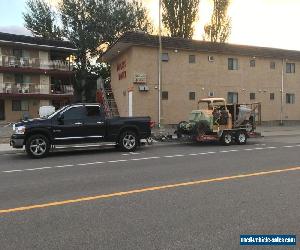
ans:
(140, 78)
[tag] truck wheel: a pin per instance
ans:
(241, 138)
(128, 141)
(226, 138)
(37, 146)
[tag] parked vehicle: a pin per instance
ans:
(214, 120)
(79, 123)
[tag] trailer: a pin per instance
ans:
(215, 120)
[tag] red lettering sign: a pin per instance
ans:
(121, 67)
(122, 75)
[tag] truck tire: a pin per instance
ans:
(226, 139)
(37, 146)
(128, 141)
(241, 138)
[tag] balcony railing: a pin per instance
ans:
(25, 62)
(62, 89)
(34, 88)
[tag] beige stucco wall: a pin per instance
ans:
(43, 55)
(10, 78)
(44, 103)
(44, 84)
(14, 116)
(1, 82)
(120, 87)
(31, 53)
(179, 77)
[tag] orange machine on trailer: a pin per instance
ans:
(215, 120)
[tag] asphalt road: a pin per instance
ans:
(170, 196)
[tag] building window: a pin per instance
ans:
(290, 98)
(232, 64)
(165, 57)
(272, 65)
(192, 95)
(18, 105)
(290, 67)
(211, 58)
(272, 96)
(17, 53)
(18, 78)
(26, 79)
(252, 63)
(192, 59)
(164, 95)
(252, 96)
(232, 97)
(211, 94)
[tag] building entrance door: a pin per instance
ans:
(2, 110)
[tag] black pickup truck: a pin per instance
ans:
(79, 123)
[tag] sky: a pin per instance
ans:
(269, 23)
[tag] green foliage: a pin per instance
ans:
(88, 24)
(117, 17)
(40, 19)
(179, 17)
(219, 28)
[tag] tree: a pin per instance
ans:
(40, 19)
(219, 28)
(114, 17)
(90, 23)
(179, 17)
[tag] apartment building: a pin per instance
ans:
(194, 69)
(34, 72)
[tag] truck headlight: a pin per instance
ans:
(20, 130)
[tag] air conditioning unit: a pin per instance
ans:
(211, 58)
(211, 94)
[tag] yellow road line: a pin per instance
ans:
(136, 191)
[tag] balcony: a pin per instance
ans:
(24, 88)
(13, 89)
(62, 89)
(24, 62)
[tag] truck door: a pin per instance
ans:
(94, 123)
(68, 127)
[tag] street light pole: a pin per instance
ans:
(159, 66)
(282, 89)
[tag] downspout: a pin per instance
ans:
(282, 82)
(159, 68)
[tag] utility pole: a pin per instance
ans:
(159, 66)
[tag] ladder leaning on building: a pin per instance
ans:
(106, 97)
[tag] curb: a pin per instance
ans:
(11, 152)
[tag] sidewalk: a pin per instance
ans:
(265, 131)
(279, 130)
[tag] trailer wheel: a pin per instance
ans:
(226, 139)
(241, 138)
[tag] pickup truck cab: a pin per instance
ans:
(79, 123)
